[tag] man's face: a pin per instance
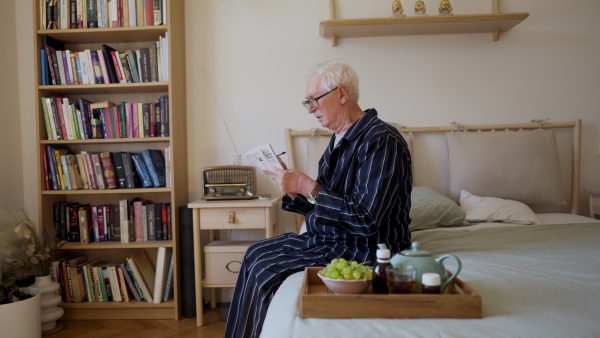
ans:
(329, 112)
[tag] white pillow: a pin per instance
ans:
(492, 209)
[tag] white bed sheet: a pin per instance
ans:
(512, 305)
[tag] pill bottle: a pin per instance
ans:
(431, 283)
(379, 273)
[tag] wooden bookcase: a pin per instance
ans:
(120, 39)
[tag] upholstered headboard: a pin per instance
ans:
(535, 163)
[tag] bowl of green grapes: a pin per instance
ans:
(344, 277)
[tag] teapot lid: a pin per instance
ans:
(416, 251)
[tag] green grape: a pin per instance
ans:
(334, 274)
(334, 262)
(354, 264)
(356, 274)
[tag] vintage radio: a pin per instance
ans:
(228, 183)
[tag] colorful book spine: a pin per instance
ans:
(108, 170)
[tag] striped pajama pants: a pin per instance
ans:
(266, 265)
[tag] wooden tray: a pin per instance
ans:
(316, 301)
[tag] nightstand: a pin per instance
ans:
(594, 202)
(227, 215)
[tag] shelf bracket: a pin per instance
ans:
(496, 10)
(332, 17)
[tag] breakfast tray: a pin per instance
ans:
(316, 301)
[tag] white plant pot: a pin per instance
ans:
(51, 312)
(22, 319)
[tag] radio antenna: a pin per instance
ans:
(220, 112)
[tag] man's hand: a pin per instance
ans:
(292, 181)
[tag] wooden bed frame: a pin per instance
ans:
(293, 135)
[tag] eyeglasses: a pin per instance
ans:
(314, 102)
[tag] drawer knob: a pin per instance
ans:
(231, 216)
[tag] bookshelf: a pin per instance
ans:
(121, 38)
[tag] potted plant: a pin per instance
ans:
(20, 309)
(24, 253)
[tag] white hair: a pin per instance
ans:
(336, 73)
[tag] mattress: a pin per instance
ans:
(534, 280)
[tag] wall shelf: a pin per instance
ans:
(495, 23)
(415, 25)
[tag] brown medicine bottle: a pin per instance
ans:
(431, 283)
(379, 273)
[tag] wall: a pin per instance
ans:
(246, 62)
(11, 166)
(247, 59)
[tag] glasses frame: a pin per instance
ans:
(308, 104)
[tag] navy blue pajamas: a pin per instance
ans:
(364, 201)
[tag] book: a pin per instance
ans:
(158, 228)
(155, 163)
(119, 169)
(125, 293)
(163, 257)
(115, 214)
(99, 286)
(110, 65)
(131, 177)
(145, 64)
(124, 220)
(114, 282)
(96, 66)
(98, 171)
(85, 224)
(92, 13)
(263, 157)
(108, 170)
(142, 171)
(144, 273)
(138, 220)
(126, 276)
(150, 228)
(168, 292)
(134, 280)
(93, 289)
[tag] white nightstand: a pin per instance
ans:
(225, 215)
(594, 202)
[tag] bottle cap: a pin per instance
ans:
(383, 253)
(431, 279)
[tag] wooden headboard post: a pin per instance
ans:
(575, 160)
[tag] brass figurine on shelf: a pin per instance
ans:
(445, 8)
(420, 8)
(397, 9)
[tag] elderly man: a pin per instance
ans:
(361, 198)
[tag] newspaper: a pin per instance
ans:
(263, 157)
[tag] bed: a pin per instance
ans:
(524, 248)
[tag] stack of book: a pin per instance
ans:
(60, 66)
(64, 170)
(74, 14)
(131, 220)
(84, 280)
(82, 119)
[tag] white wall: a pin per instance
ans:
(11, 167)
(246, 60)
(252, 55)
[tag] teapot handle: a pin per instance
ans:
(458, 267)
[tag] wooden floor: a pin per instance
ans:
(186, 327)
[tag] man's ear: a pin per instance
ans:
(344, 95)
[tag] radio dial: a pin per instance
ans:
(212, 190)
(243, 190)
